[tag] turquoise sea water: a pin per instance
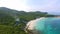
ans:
(49, 25)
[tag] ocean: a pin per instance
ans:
(48, 25)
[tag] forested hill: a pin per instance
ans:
(7, 20)
(23, 14)
(7, 11)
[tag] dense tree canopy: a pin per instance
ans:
(7, 20)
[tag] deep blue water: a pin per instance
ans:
(49, 25)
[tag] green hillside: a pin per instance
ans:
(7, 20)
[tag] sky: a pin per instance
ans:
(50, 6)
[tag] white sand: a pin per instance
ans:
(31, 24)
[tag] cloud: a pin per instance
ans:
(44, 5)
(14, 4)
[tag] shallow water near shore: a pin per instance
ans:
(49, 25)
